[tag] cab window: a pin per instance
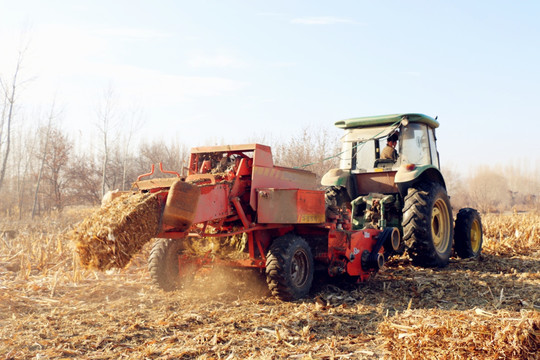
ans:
(414, 145)
(433, 148)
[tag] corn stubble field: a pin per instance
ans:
(52, 308)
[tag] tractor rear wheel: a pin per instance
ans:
(468, 233)
(427, 225)
(163, 263)
(289, 267)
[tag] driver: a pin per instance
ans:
(389, 151)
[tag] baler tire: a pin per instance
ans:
(427, 225)
(468, 234)
(289, 267)
(163, 264)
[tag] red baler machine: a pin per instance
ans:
(273, 217)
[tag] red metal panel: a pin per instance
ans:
(290, 206)
(213, 203)
(278, 177)
(345, 249)
(310, 207)
(337, 243)
(262, 156)
(361, 241)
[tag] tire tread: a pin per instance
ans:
(417, 225)
(277, 259)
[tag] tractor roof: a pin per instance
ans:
(369, 121)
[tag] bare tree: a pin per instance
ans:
(56, 159)
(312, 150)
(9, 91)
(83, 179)
(106, 122)
(173, 156)
(489, 190)
(135, 123)
(43, 151)
(523, 183)
(25, 150)
(456, 188)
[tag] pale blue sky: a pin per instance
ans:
(229, 70)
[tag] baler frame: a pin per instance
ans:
(278, 208)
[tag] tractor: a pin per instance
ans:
(236, 208)
(405, 191)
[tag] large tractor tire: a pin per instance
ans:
(468, 233)
(163, 264)
(289, 267)
(427, 225)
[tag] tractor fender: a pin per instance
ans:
(336, 177)
(406, 178)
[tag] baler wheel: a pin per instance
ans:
(427, 225)
(468, 233)
(289, 267)
(163, 264)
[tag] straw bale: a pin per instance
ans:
(115, 232)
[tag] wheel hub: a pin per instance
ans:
(299, 265)
(440, 226)
(476, 235)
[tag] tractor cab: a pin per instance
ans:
(363, 167)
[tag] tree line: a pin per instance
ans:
(495, 188)
(45, 170)
(45, 173)
(42, 170)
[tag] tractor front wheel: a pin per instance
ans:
(468, 233)
(163, 263)
(427, 225)
(289, 267)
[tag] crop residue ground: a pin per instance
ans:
(486, 308)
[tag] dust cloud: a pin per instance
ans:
(221, 282)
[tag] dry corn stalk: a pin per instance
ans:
(517, 234)
(430, 334)
(229, 247)
(115, 232)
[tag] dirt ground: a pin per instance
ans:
(485, 308)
